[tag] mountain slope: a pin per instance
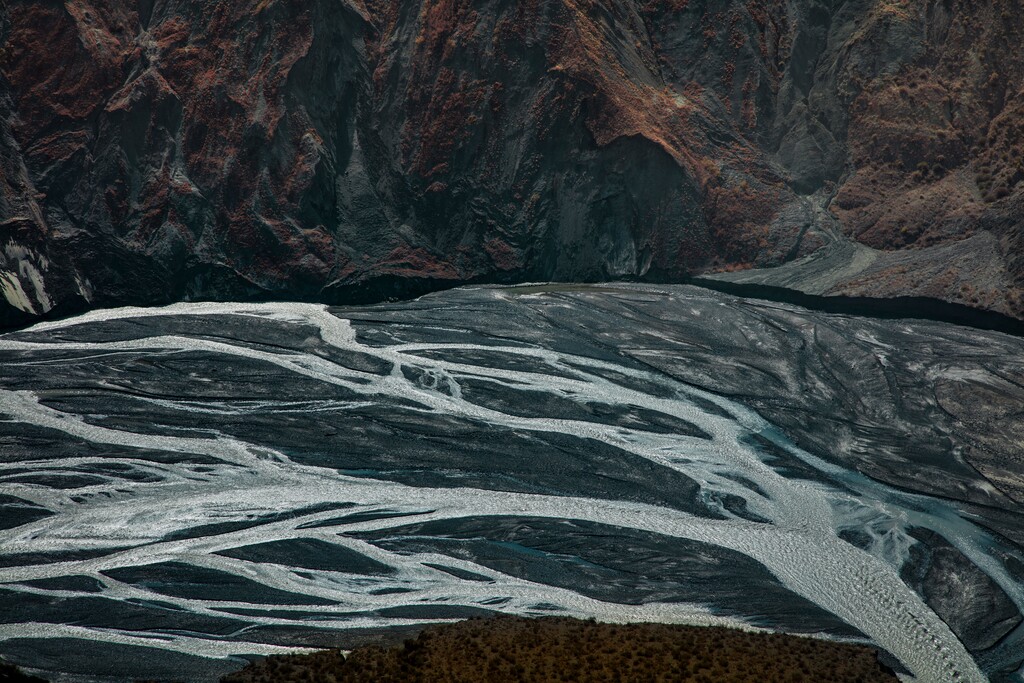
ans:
(346, 150)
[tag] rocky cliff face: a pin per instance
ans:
(154, 150)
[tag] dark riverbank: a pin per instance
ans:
(11, 674)
(392, 290)
(883, 308)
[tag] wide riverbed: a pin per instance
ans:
(185, 485)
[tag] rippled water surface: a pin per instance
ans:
(181, 486)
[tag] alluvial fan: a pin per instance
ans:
(182, 486)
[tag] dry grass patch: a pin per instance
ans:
(549, 650)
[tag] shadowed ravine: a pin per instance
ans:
(208, 480)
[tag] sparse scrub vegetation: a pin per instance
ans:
(517, 650)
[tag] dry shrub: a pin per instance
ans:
(518, 650)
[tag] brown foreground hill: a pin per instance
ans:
(518, 650)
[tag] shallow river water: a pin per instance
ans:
(183, 486)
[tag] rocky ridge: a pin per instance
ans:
(343, 150)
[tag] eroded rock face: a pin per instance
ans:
(346, 150)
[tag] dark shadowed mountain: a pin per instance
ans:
(343, 150)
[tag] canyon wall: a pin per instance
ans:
(351, 150)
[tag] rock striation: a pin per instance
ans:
(347, 150)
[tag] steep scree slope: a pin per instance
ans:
(154, 150)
